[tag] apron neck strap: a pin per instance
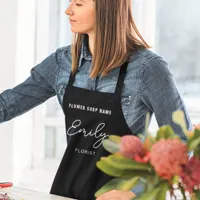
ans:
(121, 78)
(71, 79)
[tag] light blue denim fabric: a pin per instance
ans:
(149, 87)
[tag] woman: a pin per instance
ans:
(106, 82)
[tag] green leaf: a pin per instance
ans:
(197, 151)
(150, 195)
(182, 192)
(118, 166)
(179, 118)
(196, 134)
(164, 187)
(147, 122)
(194, 197)
(192, 144)
(111, 146)
(165, 132)
(115, 138)
(176, 179)
(120, 162)
(118, 184)
(197, 193)
(116, 172)
(110, 170)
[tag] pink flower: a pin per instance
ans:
(144, 159)
(191, 174)
(168, 156)
(131, 146)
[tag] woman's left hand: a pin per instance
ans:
(117, 195)
(196, 126)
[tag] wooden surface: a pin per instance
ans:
(17, 193)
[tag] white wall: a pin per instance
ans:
(25, 60)
(144, 13)
(8, 28)
(17, 49)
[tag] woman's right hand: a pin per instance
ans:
(196, 126)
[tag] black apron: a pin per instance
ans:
(90, 117)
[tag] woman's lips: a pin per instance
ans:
(72, 21)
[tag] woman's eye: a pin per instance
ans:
(76, 3)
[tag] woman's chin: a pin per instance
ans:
(78, 31)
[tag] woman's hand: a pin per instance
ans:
(117, 195)
(196, 126)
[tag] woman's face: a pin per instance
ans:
(82, 16)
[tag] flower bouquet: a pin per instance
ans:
(162, 164)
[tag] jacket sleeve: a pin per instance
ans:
(36, 89)
(160, 94)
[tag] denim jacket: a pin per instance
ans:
(149, 86)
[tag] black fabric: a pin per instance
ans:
(90, 117)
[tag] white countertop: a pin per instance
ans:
(18, 193)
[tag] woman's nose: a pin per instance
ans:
(69, 11)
